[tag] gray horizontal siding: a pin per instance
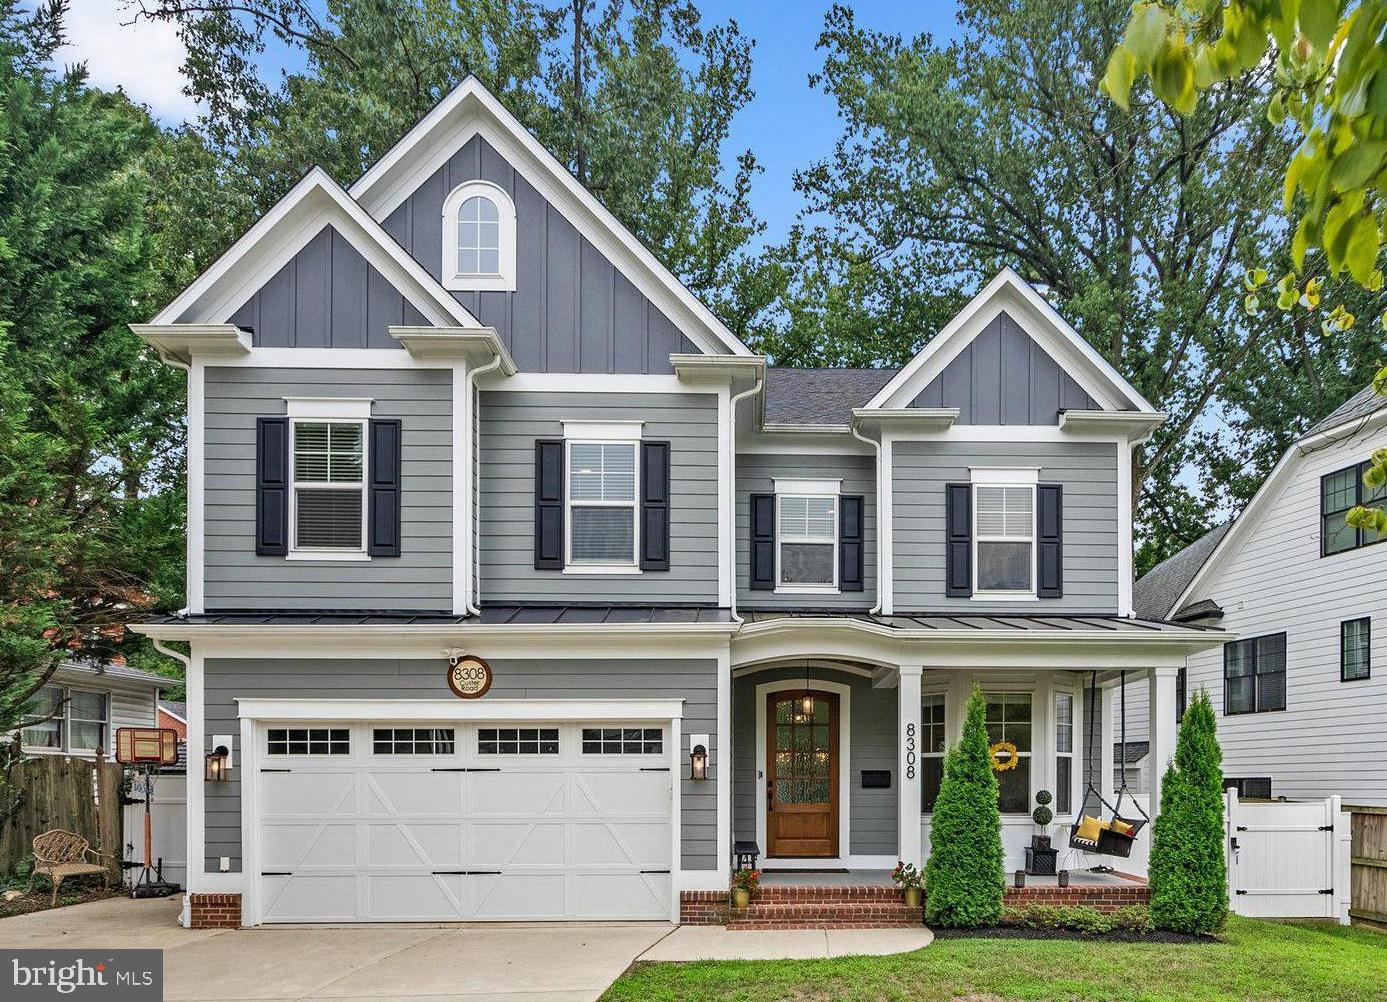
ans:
(419, 579)
(694, 681)
(326, 296)
(1088, 472)
(872, 735)
(571, 310)
(1004, 377)
(510, 424)
(756, 474)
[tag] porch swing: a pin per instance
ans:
(1115, 834)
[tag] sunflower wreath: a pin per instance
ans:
(1003, 748)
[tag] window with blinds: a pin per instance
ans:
(1254, 675)
(602, 493)
(1355, 643)
(807, 535)
(1064, 753)
(1004, 538)
(329, 486)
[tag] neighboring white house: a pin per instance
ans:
(83, 705)
(1300, 706)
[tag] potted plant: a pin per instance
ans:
(744, 884)
(911, 882)
(1042, 816)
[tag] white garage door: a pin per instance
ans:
(406, 822)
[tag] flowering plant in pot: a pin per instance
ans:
(744, 884)
(911, 882)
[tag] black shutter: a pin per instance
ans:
(1049, 537)
(383, 487)
(851, 551)
(763, 542)
(958, 530)
(549, 494)
(654, 506)
(272, 487)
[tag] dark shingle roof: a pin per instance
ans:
(1366, 401)
(178, 709)
(1158, 590)
(110, 670)
(820, 396)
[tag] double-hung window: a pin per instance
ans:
(603, 493)
(1254, 675)
(329, 495)
(806, 516)
(1004, 532)
(1340, 492)
(1355, 643)
(72, 720)
(1064, 753)
(933, 745)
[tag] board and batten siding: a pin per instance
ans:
(872, 716)
(756, 473)
(1330, 739)
(692, 680)
(1088, 472)
(419, 579)
(511, 422)
(571, 310)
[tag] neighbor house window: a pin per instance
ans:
(479, 238)
(602, 494)
(329, 486)
(72, 720)
(1355, 641)
(1009, 719)
(1339, 492)
(933, 740)
(1004, 534)
(1254, 675)
(1064, 752)
(807, 537)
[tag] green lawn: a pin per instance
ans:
(1257, 960)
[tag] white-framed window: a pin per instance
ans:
(1004, 550)
(308, 741)
(934, 741)
(328, 501)
(413, 740)
(623, 741)
(1065, 773)
(806, 535)
(1008, 718)
(518, 741)
(601, 506)
(64, 719)
(479, 238)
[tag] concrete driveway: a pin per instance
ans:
(519, 962)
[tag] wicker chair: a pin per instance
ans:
(61, 854)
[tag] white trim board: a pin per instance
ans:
(459, 709)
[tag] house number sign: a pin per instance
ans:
(468, 676)
(909, 751)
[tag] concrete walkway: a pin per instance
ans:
(715, 942)
(512, 962)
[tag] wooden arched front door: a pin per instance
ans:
(801, 774)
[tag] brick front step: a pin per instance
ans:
(856, 893)
(748, 926)
(834, 911)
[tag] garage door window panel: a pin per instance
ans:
(308, 741)
(413, 740)
(623, 741)
(518, 741)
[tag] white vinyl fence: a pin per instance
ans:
(1288, 859)
(169, 827)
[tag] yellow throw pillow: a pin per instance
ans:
(1089, 828)
(1120, 826)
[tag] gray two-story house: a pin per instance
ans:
(519, 588)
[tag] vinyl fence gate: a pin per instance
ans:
(1288, 858)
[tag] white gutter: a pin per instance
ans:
(177, 656)
(731, 543)
(469, 489)
(881, 534)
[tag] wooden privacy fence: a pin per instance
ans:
(1368, 905)
(81, 795)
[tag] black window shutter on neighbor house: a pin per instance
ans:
(958, 529)
(762, 542)
(1049, 537)
(272, 487)
(654, 506)
(549, 495)
(383, 485)
(851, 551)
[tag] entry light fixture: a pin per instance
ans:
(806, 705)
(698, 756)
(217, 764)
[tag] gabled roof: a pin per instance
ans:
(316, 201)
(1010, 292)
(1155, 593)
(820, 396)
(175, 709)
(1365, 402)
(470, 109)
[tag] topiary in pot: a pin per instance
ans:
(1042, 815)
(963, 877)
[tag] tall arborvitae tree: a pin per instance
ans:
(1188, 873)
(963, 877)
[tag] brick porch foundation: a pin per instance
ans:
(214, 911)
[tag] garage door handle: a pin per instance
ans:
(276, 770)
(654, 768)
(654, 871)
(466, 873)
(276, 873)
(448, 770)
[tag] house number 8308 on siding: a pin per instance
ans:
(909, 751)
(469, 677)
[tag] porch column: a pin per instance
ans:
(1107, 736)
(908, 768)
(1161, 728)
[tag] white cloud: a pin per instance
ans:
(142, 59)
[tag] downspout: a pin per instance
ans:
(732, 454)
(176, 655)
(881, 536)
(168, 359)
(469, 493)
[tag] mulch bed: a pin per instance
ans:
(38, 899)
(1014, 932)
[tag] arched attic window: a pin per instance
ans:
(479, 238)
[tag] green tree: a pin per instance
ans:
(1189, 880)
(963, 876)
(958, 158)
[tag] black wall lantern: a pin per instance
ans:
(217, 764)
(698, 756)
